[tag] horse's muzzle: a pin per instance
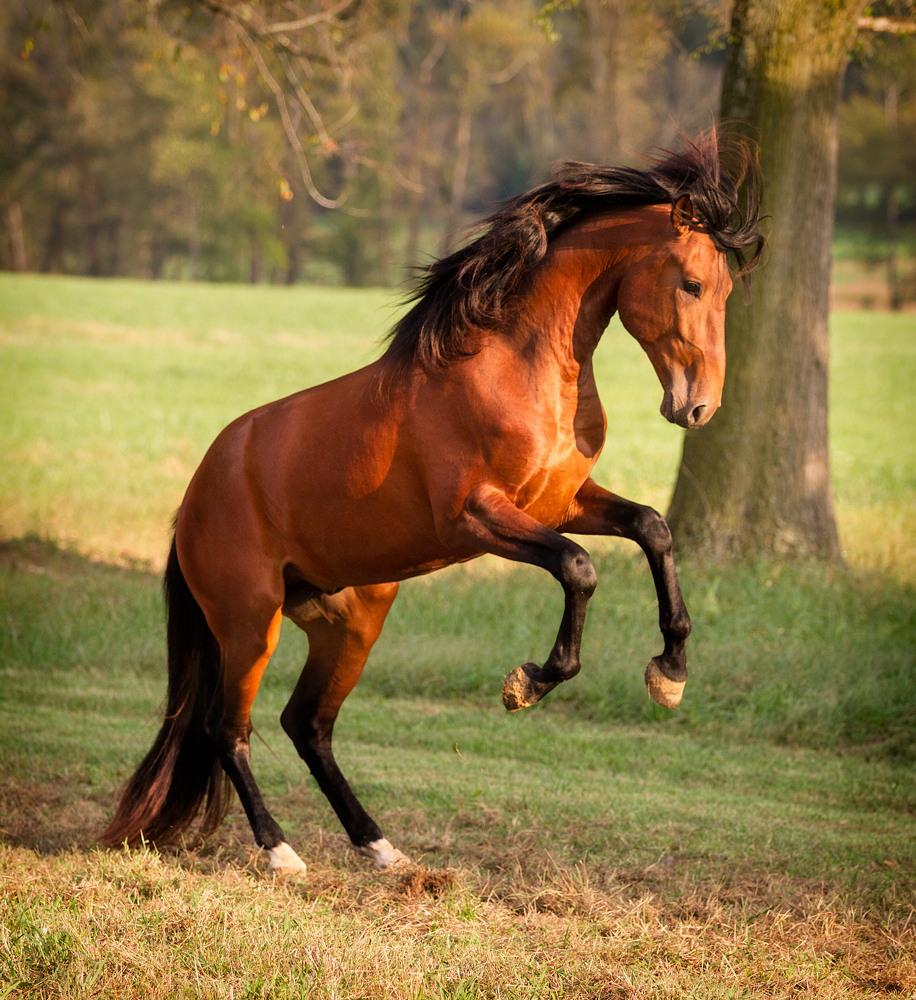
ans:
(689, 415)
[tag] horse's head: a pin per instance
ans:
(671, 299)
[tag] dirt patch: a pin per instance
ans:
(423, 882)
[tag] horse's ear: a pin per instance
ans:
(682, 214)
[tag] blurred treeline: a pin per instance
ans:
(876, 203)
(153, 138)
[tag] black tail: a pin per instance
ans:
(182, 769)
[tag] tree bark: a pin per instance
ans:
(756, 480)
(92, 224)
(893, 208)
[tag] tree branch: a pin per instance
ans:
(886, 24)
(307, 22)
(288, 127)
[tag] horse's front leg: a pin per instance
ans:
(595, 511)
(492, 522)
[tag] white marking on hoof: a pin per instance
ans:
(665, 691)
(384, 854)
(284, 861)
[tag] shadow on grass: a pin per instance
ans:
(783, 657)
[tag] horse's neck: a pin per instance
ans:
(571, 300)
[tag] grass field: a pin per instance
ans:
(758, 842)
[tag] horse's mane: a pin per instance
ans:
(471, 287)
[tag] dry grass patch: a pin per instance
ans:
(87, 923)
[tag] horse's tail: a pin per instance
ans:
(182, 769)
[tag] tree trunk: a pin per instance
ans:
(291, 234)
(462, 160)
(893, 208)
(256, 259)
(92, 225)
(17, 237)
(53, 255)
(608, 62)
(756, 480)
(194, 242)
(114, 229)
(419, 151)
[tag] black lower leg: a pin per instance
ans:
(654, 537)
(576, 573)
(529, 683)
(314, 747)
(235, 757)
(360, 826)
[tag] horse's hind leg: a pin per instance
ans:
(246, 646)
(341, 629)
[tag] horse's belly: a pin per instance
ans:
(374, 539)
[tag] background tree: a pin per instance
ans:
(756, 480)
(877, 175)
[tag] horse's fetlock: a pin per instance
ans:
(680, 628)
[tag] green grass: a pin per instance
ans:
(128, 382)
(759, 841)
(860, 244)
(130, 386)
(89, 398)
(638, 856)
(873, 445)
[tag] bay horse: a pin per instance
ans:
(475, 432)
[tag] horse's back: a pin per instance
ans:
(322, 484)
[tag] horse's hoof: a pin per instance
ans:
(284, 861)
(384, 854)
(521, 689)
(664, 690)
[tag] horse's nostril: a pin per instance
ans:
(696, 414)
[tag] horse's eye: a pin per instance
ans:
(692, 288)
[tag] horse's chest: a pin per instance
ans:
(551, 487)
(556, 456)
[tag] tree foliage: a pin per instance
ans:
(877, 168)
(322, 139)
(211, 138)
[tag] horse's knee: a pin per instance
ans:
(652, 531)
(577, 572)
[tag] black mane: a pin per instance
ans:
(472, 286)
